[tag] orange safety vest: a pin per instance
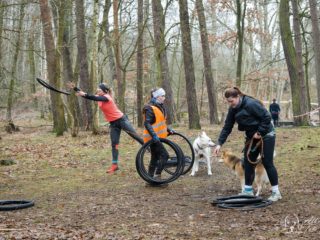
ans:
(159, 126)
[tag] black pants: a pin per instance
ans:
(159, 158)
(115, 131)
(275, 118)
(267, 161)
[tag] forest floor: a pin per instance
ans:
(76, 199)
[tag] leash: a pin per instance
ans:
(259, 144)
(308, 113)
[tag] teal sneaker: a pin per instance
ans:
(275, 196)
(246, 193)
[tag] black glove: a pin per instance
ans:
(76, 89)
(170, 131)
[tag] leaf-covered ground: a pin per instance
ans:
(76, 199)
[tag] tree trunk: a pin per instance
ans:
(213, 113)
(94, 62)
(14, 65)
(304, 106)
(59, 124)
(240, 32)
(162, 60)
(85, 83)
(316, 44)
(291, 58)
(117, 50)
(194, 119)
(32, 66)
(73, 103)
(306, 62)
(1, 27)
(139, 81)
(107, 39)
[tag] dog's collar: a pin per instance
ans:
(200, 148)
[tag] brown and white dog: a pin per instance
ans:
(236, 164)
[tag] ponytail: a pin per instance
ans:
(233, 92)
(236, 92)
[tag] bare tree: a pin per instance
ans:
(161, 55)
(316, 43)
(107, 38)
(53, 66)
(83, 65)
(213, 112)
(139, 81)
(32, 65)
(14, 64)
(194, 119)
(117, 50)
(304, 105)
(65, 16)
(93, 56)
(2, 7)
(291, 59)
(241, 13)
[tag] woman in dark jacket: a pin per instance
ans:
(254, 119)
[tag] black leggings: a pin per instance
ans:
(267, 161)
(115, 131)
(159, 158)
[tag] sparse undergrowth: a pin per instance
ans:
(76, 199)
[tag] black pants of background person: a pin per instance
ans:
(115, 131)
(275, 118)
(267, 161)
(159, 158)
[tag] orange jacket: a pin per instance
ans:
(159, 126)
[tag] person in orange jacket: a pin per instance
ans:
(155, 127)
(118, 121)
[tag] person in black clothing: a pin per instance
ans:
(274, 109)
(155, 127)
(255, 120)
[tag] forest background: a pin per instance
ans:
(193, 49)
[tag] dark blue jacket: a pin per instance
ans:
(251, 117)
(274, 108)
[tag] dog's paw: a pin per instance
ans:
(209, 173)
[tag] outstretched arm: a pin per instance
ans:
(81, 93)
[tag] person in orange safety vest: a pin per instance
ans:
(155, 128)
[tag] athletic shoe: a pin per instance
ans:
(246, 193)
(275, 196)
(113, 168)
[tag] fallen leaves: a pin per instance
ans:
(77, 200)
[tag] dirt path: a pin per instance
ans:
(75, 199)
